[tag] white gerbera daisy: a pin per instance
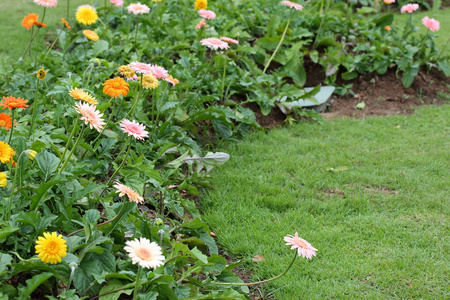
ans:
(146, 254)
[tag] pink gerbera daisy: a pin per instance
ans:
(46, 3)
(158, 72)
(200, 24)
(90, 115)
(229, 40)
(303, 247)
(117, 2)
(431, 24)
(409, 8)
(214, 43)
(133, 128)
(207, 14)
(141, 68)
(125, 190)
(145, 253)
(292, 5)
(138, 8)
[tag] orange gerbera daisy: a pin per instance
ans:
(116, 87)
(65, 23)
(13, 102)
(5, 121)
(29, 20)
(39, 24)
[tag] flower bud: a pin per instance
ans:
(31, 154)
(159, 222)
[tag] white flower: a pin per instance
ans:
(146, 254)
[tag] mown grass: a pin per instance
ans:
(381, 227)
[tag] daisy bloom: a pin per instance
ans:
(229, 40)
(90, 35)
(3, 180)
(133, 128)
(12, 102)
(292, 5)
(214, 43)
(431, 24)
(5, 121)
(6, 152)
(149, 82)
(126, 71)
(409, 8)
(200, 4)
(138, 8)
(51, 248)
(86, 15)
(147, 255)
(79, 94)
(389, 1)
(158, 72)
(65, 23)
(116, 87)
(303, 247)
(39, 24)
(41, 74)
(90, 115)
(387, 28)
(171, 80)
(117, 3)
(141, 68)
(200, 24)
(29, 20)
(46, 3)
(125, 190)
(207, 14)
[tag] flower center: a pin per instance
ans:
(301, 243)
(133, 128)
(2, 123)
(52, 248)
(144, 254)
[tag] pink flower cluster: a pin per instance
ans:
(207, 14)
(409, 8)
(117, 3)
(303, 247)
(46, 3)
(292, 5)
(431, 24)
(155, 70)
(214, 43)
(138, 8)
(133, 128)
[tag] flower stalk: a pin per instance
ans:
(73, 149)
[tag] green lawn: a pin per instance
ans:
(381, 227)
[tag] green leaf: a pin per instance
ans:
(7, 231)
(115, 284)
(268, 43)
(41, 191)
(126, 208)
(5, 262)
(198, 254)
(47, 163)
(33, 283)
(384, 20)
(100, 46)
(444, 65)
(408, 76)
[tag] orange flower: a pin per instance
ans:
(29, 20)
(115, 87)
(5, 121)
(12, 102)
(39, 24)
(90, 35)
(65, 23)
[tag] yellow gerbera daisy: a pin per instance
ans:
(86, 15)
(90, 35)
(149, 82)
(40, 74)
(126, 71)
(51, 248)
(200, 4)
(79, 94)
(6, 152)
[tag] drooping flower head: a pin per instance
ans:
(125, 190)
(149, 82)
(46, 3)
(126, 71)
(116, 87)
(207, 14)
(39, 24)
(141, 68)
(431, 24)
(29, 20)
(41, 74)
(90, 35)
(86, 15)
(79, 94)
(201, 24)
(214, 43)
(6, 152)
(3, 180)
(90, 115)
(12, 102)
(51, 248)
(133, 128)
(5, 121)
(200, 4)
(65, 23)
(31, 154)
(229, 40)
(389, 1)
(171, 80)
(303, 247)
(292, 5)
(138, 8)
(147, 255)
(117, 3)
(409, 8)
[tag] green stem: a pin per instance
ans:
(68, 142)
(204, 75)
(73, 149)
(12, 126)
(321, 23)
(136, 287)
(135, 104)
(72, 42)
(223, 78)
(51, 47)
(135, 35)
(159, 109)
(33, 118)
(29, 43)
(121, 165)
(279, 44)
(104, 127)
(263, 281)
(443, 49)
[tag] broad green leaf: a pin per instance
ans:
(7, 231)
(47, 163)
(33, 283)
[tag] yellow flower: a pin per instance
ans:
(31, 154)
(6, 152)
(157, 1)
(149, 82)
(126, 71)
(51, 248)
(86, 15)
(40, 74)
(200, 4)
(2, 179)
(90, 35)
(79, 94)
